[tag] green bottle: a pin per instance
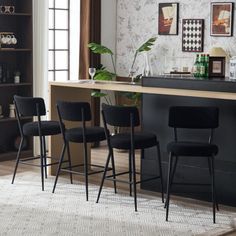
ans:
(196, 67)
(202, 66)
(206, 66)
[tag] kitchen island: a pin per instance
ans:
(159, 93)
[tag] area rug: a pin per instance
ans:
(26, 210)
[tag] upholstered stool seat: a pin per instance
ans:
(141, 140)
(47, 128)
(93, 134)
(192, 149)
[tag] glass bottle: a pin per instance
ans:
(207, 66)
(196, 67)
(202, 66)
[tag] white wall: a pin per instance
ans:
(126, 24)
(108, 29)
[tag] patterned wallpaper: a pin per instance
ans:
(137, 22)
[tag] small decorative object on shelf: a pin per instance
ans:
(1, 115)
(7, 9)
(12, 111)
(217, 67)
(7, 40)
(232, 69)
(17, 77)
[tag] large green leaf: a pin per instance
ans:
(147, 46)
(104, 74)
(99, 49)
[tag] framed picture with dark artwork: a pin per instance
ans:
(192, 35)
(216, 67)
(222, 18)
(168, 18)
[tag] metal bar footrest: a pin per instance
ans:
(68, 169)
(149, 179)
(118, 180)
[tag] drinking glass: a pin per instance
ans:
(92, 72)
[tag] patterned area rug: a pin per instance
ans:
(26, 210)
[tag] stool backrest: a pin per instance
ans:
(120, 115)
(29, 106)
(74, 111)
(194, 117)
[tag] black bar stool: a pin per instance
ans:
(192, 118)
(78, 111)
(121, 116)
(30, 107)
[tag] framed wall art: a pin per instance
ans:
(216, 67)
(192, 35)
(222, 18)
(168, 18)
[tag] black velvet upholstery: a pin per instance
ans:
(73, 111)
(120, 115)
(27, 106)
(194, 117)
(47, 128)
(93, 134)
(141, 140)
(192, 149)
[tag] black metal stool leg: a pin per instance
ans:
(104, 176)
(17, 159)
(168, 186)
(45, 157)
(59, 167)
(113, 170)
(69, 160)
(134, 179)
(86, 169)
(210, 172)
(42, 161)
(160, 171)
(130, 173)
(213, 189)
(173, 169)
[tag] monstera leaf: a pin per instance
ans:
(103, 74)
(147, 46)
(99, 49)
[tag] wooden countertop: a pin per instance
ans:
(127, 87)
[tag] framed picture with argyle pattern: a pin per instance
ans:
(192, 35)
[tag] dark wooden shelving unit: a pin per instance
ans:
(19, 58)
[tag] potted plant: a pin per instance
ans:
(103, 74)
